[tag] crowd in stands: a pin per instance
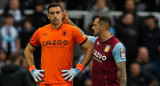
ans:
(140, 35)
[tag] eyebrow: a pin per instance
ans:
(93, 24)
(54, 11)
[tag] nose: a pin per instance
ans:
(55, 15)
(92, 27)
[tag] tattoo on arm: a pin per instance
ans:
(71, 23)
(122, 73)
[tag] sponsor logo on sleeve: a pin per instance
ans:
(82, 33)
(123, 53)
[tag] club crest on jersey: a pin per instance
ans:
(45, 34)
(107, 48)
(123, 54)
(64, 32)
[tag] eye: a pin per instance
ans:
(58, 12)
(51, 12)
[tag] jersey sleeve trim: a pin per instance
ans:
(92, 39)
(32, 45)
(84, 41)
(119, 53)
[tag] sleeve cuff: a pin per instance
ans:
(84, 41)
(32, 45)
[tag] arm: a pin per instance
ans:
(88, 46)
(71, 74)
(36, 74)
(28, 52)
(119, 54)
(122, 73)
(66, 20)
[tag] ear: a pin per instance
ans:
(48, 16)
(103, 27)
(63, 13)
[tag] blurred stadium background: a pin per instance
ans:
(136, 23)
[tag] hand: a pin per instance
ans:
(36, 74)
(70, 74)
(65, 18)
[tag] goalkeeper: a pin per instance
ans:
(57, 41)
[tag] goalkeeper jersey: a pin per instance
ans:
(57, 50)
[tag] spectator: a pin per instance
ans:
(150, 37)
(140, 6)
(9, 36)
(131, 8)
(26, 33)
(145, 63)
(3, 56)
(39, 18)
(100, 8)
(12, 74)
(63, 4)
(137, 77)
(14, 8)
(127, 33)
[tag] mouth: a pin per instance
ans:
(55, 20)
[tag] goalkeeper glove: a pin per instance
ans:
(71, 74)
(36, 74)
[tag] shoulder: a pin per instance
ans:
(2, 28)
(119, 45)
(92, 39)
(41, 29)
(70, 26)
(115, 39)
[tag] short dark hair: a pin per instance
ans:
(13, 57)
(54, 5)
(8, 16)
(105, 18)
(150, 17)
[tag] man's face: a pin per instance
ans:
(150, 23)
(135, 69)
(14, 4)
(9, 20)
(129, 5)
(55, 15)
(96, 27)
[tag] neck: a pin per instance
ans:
(56, 26)
(8, 25)
(105, 35)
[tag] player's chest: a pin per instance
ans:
(102, 52)
(51, 38)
